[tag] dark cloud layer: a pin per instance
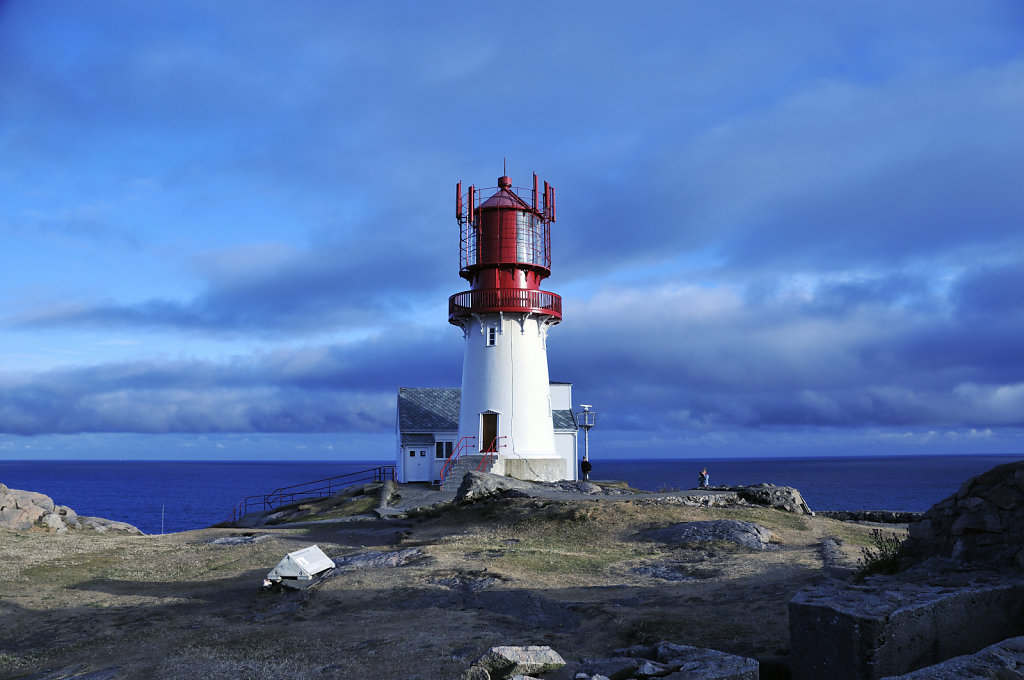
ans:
(320, 389)
(785, 218)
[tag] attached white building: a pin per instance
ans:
(428, 431)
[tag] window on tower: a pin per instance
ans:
(492, 336)
(529, 239)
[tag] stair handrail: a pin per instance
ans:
(463, 444)
(490, 454)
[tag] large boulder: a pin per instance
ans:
(477, 485)
(981, 524)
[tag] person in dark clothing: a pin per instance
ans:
(585, 467)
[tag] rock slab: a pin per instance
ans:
(1001, 661)
(476, 485)
(670, 661)
(505, 661)
(746, 534)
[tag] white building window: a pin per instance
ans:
(492, 336)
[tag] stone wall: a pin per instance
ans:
(981, 524)
(873, 516)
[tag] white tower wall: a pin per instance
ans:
(510, 378)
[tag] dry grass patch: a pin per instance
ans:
(502, 571)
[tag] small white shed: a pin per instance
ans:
(300, 568)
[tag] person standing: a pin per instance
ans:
(585, 468)
(704, 479)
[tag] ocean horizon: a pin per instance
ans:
(170, 496)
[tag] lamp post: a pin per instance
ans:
(585, 420)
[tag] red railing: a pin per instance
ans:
(460, 448)
(489, 455)
(320, 488)
(505, 300)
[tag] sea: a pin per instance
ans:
(172, 496)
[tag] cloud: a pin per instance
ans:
(336, 388)
(275, 290)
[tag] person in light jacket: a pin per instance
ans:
(704, 479)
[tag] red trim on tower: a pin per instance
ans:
(470, 302)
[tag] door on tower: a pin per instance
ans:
(417, 466)
(489, 432)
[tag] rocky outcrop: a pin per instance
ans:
(662, 660)
(981, 524)
(779, 497)
(29, 510)
(479, 485)
(746, 534)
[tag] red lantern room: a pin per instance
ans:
(505, 251)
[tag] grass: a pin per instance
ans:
(770, 518)
(163, 606)
(360, 505)
(549, 558)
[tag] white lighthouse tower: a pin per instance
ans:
(505, 414)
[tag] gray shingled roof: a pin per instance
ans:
(563, 421)
(428, 409)
(432, 409)
(421, 439)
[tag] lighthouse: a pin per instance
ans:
(505, 413)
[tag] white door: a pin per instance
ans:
(417, 466)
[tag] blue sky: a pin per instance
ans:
(785, 228)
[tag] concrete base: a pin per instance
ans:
(888, 627)
(532, 469)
